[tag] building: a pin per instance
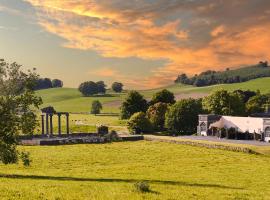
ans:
(256, 128)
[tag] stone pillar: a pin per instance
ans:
(47, 124)
(59, 124)
(67, 118)
(42, 125)
(51, 124)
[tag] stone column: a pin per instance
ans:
(42, 125)
(59, 124)
(47, 124)
(51, 124)
(67, 118)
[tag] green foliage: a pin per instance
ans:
(25, 157)
(156, 115)
(56, 83)
(229, 76)
(164, 96)
(222, 102)
(139, 123)
(256, 104)
(96, 107)
(90, 88)
(133, 103)
(142, 186)
(182, 117)
(117, 87)
(17, 101)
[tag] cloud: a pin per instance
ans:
(190, 35)
(105, 72)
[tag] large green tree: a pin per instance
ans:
(117, 87)
(133, 103)
(17, 108)
(164, 96)
(139, 123)
(156, 115)
(222, 102)
(257, 104)
(182, 117)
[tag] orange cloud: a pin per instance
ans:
(128, 30)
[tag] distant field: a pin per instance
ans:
(69, 99)
(109, 171)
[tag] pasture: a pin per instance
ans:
(70, 99)
(109, 171)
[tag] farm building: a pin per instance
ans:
(256, 128)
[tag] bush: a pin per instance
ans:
(56, 83)
(138, 123)
(156, 115)
(103, 130)
(133, 103)
(25, 157)
(142, 186)
(182, 117)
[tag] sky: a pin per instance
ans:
(141, 43)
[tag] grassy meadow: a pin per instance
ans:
(70, 99)
(109, 171)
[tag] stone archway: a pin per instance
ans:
(267, 132)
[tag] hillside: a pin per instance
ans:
(69, 99)
(239, 75)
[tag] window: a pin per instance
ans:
(267, 132)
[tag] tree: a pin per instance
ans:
(156, 115)
(88, 88)
(139, 123)
(256, 104)
(182, 117)
(222, 102)
(117, 87)
(17, 104)
(43, 83)
(164, 96)
(133, 103)
(96, 107)
(101, 87)
(56, 83)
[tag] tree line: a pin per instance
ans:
(90, 88)
(47, 83)
(211, 77)
(165, 114)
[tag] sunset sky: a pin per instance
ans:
(142, 43)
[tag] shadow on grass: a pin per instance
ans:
(63, 178)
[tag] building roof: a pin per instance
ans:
(241, 124)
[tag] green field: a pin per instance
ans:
(109, 171)
(69, 99)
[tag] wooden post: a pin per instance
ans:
(42, 124)
(51, 124)
(59, 124)
(47, 124)
(67, 118)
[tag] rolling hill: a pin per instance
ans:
(70, 99)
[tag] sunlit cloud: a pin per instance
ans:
(190, 35)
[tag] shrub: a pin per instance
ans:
(25, 157)
(138, 123)
(156, 115)
(133, 103)
(182, 117)
(56, 83)
(142, 186)
(103, 130)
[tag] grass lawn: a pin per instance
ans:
(70, 99)
(109, 171)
